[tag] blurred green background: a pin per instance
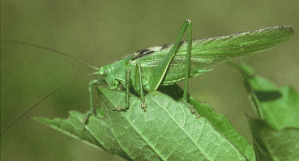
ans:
(99, 32)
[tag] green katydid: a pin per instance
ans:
(147, 69)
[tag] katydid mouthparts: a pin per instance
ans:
(149, 68)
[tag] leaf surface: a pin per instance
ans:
(166, 131)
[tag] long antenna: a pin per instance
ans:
(49, 49)
(47, 96)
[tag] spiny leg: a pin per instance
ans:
(160, 71)
(127, 86)
(92, 83)
(188, 62)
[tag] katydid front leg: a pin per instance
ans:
(97, 82)
(160, 71)
(92, 83)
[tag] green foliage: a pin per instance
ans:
(168, 131)
(160, 133)
(276, 130)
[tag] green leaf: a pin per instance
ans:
(166, 131)
(223, 125)
(279, 107)
(276, 131)
(219, 121)
(272, 144)
(97, 133)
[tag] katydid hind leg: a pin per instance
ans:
(188, 62)
(160, 70)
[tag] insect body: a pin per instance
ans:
(149, 68)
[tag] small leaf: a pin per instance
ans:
(272, 144)
(70, 126)
(223, 125)
(279, 107)
(276, 132)
(97, 133)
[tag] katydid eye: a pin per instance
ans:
(105, 73)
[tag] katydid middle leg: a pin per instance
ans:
(127, 86)
(160, 71)
(138, 78)
(138, 85)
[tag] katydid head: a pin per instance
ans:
(102, 71)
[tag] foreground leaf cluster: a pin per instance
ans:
(168, 130)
